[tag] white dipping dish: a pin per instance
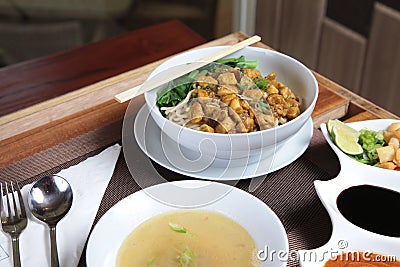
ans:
(347, 237)
(240, 145)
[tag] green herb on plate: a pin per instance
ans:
(370, 140)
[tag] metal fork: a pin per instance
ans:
(13, 217)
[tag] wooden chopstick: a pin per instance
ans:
(140, 89)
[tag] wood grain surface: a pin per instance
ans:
(31, 82)
(381, 79)
(341, 54)
(299, 36)
(91, 107)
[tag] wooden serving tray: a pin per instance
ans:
(36, 128)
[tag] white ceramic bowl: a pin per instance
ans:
(245, 209)
(233, 146)
(376, 125)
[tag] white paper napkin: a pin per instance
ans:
(89, 180)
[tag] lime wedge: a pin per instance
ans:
(343, 129)
(346, 140)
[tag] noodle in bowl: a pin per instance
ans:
(236, 145)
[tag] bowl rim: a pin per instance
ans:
(237, 135)
(230, 195)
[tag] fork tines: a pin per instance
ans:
(13, 219)
(14, 211)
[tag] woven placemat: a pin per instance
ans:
(289, 192)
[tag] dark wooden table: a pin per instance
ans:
(46, 101)
(31, 82)
(29, 88)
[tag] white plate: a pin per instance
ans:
(117, 223)
(164, 151)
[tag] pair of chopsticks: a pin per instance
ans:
(140, 89)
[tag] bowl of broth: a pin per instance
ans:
(188, 238)
(188, 223)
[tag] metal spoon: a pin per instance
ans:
(49, 200)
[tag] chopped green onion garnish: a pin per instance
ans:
(262, 84)
(177, 228)
(186, 258)
(151, 261)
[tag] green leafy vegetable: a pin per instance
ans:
(262, 84)
(186, 259)
(176, 90)
(177, 228)
(369, 140)
(169, 98)
(239, 62)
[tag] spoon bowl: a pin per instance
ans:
(49, 200)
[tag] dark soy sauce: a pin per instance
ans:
(372, 208)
